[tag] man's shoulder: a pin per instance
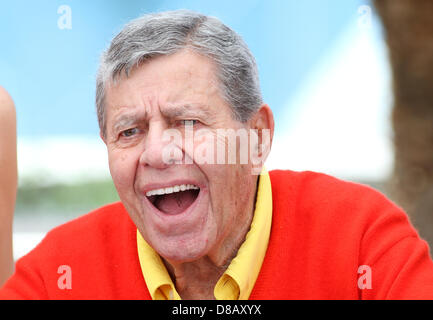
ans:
(318, 185)
(99, 250)
(321, 197)
(100, 227)
(101, 219)
(324, 229)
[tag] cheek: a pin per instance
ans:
(238, 188)
(224, 192)
(203, 151)
(122, 169)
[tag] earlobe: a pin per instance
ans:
(102, 137)
(263, 126)
(264, 120)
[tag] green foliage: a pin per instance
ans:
(85, 196)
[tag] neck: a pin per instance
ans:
(195, 280)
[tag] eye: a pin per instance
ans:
(129, 132)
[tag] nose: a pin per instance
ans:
(160, 149)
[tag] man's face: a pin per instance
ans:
(169, 92)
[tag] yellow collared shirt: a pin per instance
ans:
(238, 280)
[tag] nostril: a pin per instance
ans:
(172, 154)
(155, 156)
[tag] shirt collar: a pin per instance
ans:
(238, 280)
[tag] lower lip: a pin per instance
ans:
(173, 218)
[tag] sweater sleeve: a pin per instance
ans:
(398, 259)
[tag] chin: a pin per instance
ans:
(183, 249)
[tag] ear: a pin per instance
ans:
(263, 121)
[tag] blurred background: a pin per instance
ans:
(324, 68)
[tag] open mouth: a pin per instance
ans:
(175, 199)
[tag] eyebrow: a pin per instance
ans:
(126, 120)
(186, 110)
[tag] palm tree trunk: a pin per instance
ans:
(408, 29)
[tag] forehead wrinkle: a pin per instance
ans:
(186, 109)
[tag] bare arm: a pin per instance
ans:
(8, 182)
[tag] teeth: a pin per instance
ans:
(177, 188)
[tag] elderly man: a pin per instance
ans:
(194, 224)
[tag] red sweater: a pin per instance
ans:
(323, 229)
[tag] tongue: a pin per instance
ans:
(175, 203)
